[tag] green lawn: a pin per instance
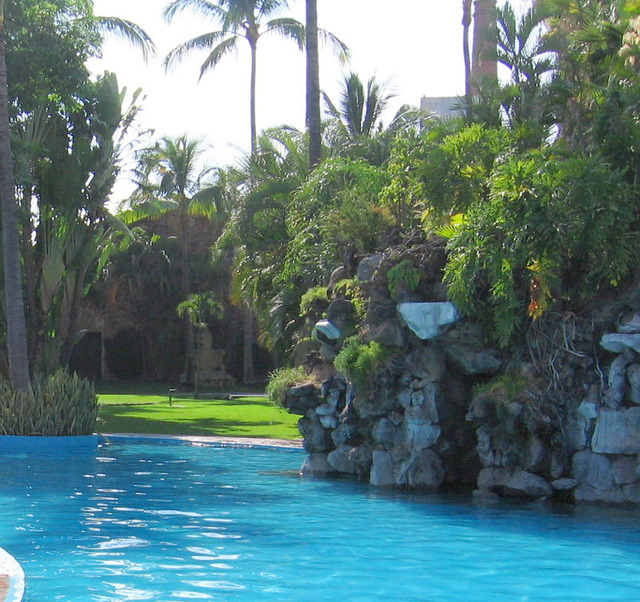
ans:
(146, 410)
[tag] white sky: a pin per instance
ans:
(414, 45)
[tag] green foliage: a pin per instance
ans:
(314, 302)
(199, 308)
(350, 288)
(402, 276)
(563, 226)
(359, 362)
(439, 173)
(58, 405)
(282, 379)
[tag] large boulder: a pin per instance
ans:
(420, 434)
(472, 361)
(316, 464)
(423, 470)
(617, 432)
(513, 483)
(594, 470)
(426, 320)
(383, 469)
(367, 267)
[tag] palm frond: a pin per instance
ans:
(288, 28)
(128, 31)
(340, 49)
(204, 8)
(215, 56)
(200, 43)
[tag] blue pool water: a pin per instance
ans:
(148, 520)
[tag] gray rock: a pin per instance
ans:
(385, 432)
(632, 493)
(536, 455)
(316, 437)
(424, 470)
(592, 469)
(341, 312)
(633, 376)
(329, 422)
(328, 330)
(472, 361)
(388, 333)
(328, 352)
(343, 434)
(419, 434)
(618, 343)
(316, 464)
(383, 470)
(527, 484)
(325, 410)
(629, 324)
(367, 267)
(493, 478)
(343, 460)
(564, 484)
(617, 432)
(425, 320)
(587, 493)
(518, 483)
(588, 409)
(624, 470)
(617, 381)
(301, 399)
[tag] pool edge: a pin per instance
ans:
(235, 441)
(10, 568)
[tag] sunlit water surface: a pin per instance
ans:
(149, 520)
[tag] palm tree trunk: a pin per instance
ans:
(252, 97)
(485, 65)
(313, 84)
(16, 325)
(466, 49)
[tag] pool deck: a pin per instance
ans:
(239, 441)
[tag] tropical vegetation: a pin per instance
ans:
(531, 190)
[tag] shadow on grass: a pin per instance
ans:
(127, 419)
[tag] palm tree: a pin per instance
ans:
(198, 309)
(239, 19)
(313, 119)
(16, 323)
(170, 178)
(359, 110)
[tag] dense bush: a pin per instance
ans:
(359, 361)
(553, 228)
(57, 405)
(282, 379)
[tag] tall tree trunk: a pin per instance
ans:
(252, 97)
(185, 285)
(313, 84)
(485, 65)
(466, 50)
(16, 325)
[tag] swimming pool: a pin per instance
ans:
(160, 520)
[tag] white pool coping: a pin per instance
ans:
(10, 567)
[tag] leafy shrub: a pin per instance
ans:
(282, 379)
(552, 228)
(359, 362)
(349, 288)
(405, 276)
(314, 302)
(61, 404)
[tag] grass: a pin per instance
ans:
(145, 409)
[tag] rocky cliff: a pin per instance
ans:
(434, 406)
